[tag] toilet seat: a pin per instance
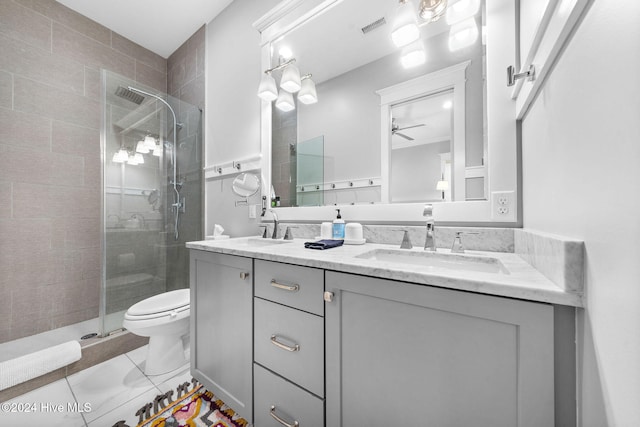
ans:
(160, 305)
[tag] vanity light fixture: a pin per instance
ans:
(405, 26)
(149, 142)
(157, 151)
(443, 186)
(120, 156)
(139, 158)
(463, 34)
(285, 101)
(132, 160)
(268, 90)
(307, 93)
(290, 83)
(141, 147)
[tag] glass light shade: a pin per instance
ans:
(132, 160)
(462, 10)
(413, 55)
(120, 156)
(285, 101)
(405, 28)
(432, 10)
(463, 34)
(149, 143)
(268, 91)
(442, 185)
(141, 147)
(139, 158)
(308, 94)
(290, 79)
(157, 151)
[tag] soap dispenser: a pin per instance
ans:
(338, 227)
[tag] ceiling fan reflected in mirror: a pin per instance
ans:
(395, 129)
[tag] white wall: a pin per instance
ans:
(581, 178)
(232, 107)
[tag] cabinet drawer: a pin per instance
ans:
(292, 285)
(291, 343)
(274, 395)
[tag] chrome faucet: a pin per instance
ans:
(274, 235)
(430, 238)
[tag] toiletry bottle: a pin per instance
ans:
(338, 227)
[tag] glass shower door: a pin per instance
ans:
(142, 256)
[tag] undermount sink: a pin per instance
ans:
(437, 261)
(258, 241)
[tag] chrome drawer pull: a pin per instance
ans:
(290, 288)
(272, 412)
(274, 341)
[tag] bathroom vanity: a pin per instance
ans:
(373, 335)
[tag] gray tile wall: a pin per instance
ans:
(50, 61)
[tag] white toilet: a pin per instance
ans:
(164, 318)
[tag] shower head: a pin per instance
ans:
(129, 95)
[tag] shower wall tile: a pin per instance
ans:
(77, 47)
(151, 77)
(24, 24)
(6, 195)
(67, 138)
(192, 91)
(6, 90)
(72, 19)
(24, 130)
(50, 160)
(41, 65)
(47, 101)
(25, 166)
(92, 83)
(62, 14)
(20, 237)
(141, 54)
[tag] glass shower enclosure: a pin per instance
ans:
(152, 194)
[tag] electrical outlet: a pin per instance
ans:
(503, 206)
(252, 211)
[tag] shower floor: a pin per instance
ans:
(22, 346)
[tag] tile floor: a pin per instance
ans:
(99, 396)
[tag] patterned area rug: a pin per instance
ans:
(195, 408)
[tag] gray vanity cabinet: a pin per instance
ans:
(410, 355)
(288, 345)
(221, 327)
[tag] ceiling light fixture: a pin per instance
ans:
(405, 26)
(432, 10)
(462, 10)
(413, 55)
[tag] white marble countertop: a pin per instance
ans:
(522, 280)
